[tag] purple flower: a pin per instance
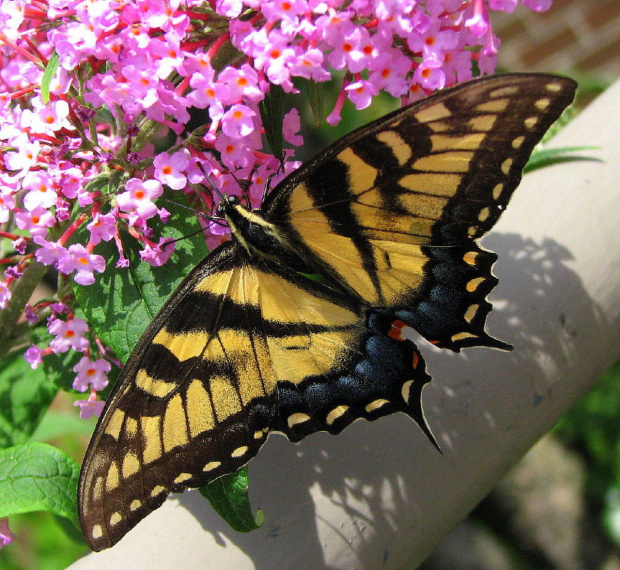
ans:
(102, 228)
(361, 93)
(5, 295)
(237, 122)
(139, 196)
(158, 254)
(91, 373)
(6, 536)
(90, 407)
(68, 334)
(83, 263)
(169, 168)
(34, 357)
(50, 252)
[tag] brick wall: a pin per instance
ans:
(580, 36)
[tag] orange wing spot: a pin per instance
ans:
(434, 341)
(396, 332)
(416, 360)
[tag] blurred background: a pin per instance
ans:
(559, 509)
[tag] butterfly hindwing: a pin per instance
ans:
(391, 211)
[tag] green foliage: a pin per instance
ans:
(120, 304)
(48, 76)
(25, 395)
(272, 115)
(592, 426)
(37, 477)
(40, 544)
(228, 496)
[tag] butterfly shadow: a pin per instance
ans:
(367, 494)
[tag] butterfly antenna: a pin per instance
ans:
(204, 215)
(212, 184)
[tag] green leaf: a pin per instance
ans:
(548, 156)
(48, 76)
(25, 395)
(38, 477)
(228, 496)
(272, 114)
(121, 303)
(316, 97)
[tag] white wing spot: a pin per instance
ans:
(97, 531)
(115, 518)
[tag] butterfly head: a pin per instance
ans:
(249, 228)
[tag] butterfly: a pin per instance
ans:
(302, 321)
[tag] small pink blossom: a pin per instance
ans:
(290, 128)
(7, 203)
(68, 334)
(41, 191)
(237, 122)
(169, 168)
(157, 254)
(50, 252)
(242, 84)
(36, 221)
(6, 536)
(83, 263)
(102, 228)
(34, 356)
(430, 75)
(91, 407)
(5, 295)
(361, 93)
(139, 197)
(91, 373)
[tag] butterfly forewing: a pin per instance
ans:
(391, 212)
(387, 218)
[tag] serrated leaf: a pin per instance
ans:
(38, 477)
(228, 496)
(25, 395)
(121, 303)
(48, 76)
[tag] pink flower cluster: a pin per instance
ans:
(86, 86)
